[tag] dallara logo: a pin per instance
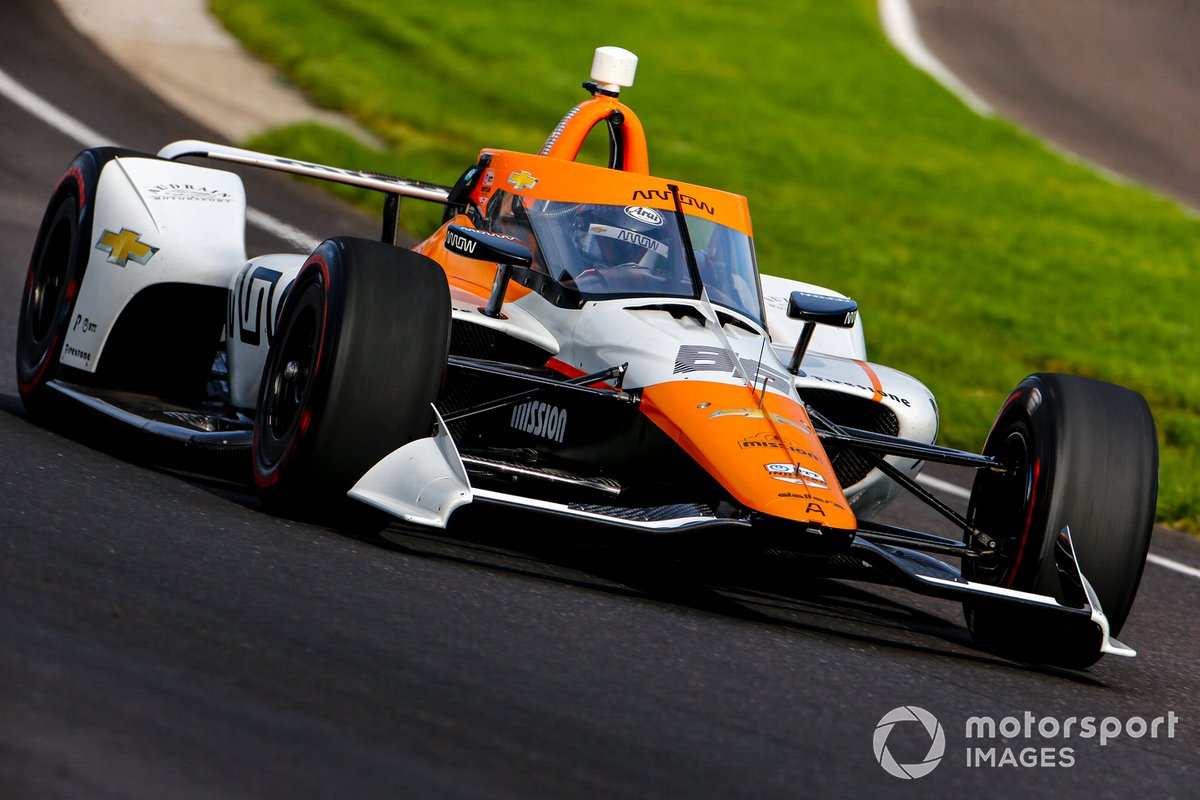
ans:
(540, 419)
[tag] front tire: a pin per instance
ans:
(358, 359)
(56, 269)
(1082, 453)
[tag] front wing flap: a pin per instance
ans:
(926, 575)
(422, 482)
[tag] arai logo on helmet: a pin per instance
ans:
(647, 215)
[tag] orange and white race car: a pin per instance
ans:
(593, 343)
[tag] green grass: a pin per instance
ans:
(977, 255)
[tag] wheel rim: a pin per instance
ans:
(290, 382)
(1001, 507)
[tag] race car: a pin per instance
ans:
(585, 342)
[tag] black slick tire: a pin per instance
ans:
(1082, 453)
(358, 359)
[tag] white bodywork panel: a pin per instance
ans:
(155, 222)
(256, 294)
(421, 482)
(847, 342)
(515, 320)
(905, 396)
(837, 359)
(658, 341)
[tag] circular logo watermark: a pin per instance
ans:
(937, 742)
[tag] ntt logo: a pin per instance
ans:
(932, 729)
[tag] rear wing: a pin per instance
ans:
(394, 188)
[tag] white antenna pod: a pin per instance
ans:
(613, 67)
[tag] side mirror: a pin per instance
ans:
(506, 251)
(814, 310)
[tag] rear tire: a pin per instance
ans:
(1083, 454)
(361, 349)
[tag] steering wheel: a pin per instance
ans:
(595, 279)
(592, 279)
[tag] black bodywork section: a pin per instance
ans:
(591, 436)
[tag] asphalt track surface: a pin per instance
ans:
(1113, 81)
(161, 636)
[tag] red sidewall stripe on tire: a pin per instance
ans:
(72, 285)
(266, 481)
(1012, 575)
(306, 415)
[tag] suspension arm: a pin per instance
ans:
(854, 437)
(893, 446)
(580, 384)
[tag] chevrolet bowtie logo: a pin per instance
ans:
(125, 245)
(522, 180)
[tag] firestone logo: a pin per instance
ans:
(932, 728)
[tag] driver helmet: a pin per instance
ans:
(615, 236)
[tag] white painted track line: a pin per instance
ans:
(1170, 564)
(900, 26)
(945, 486)
(50, 115)
(88, 137)
(289, 233)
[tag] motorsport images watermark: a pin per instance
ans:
(933, 728)
(1020, 741)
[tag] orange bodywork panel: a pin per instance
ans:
(766, 455)
(568, 137)
(546, 178)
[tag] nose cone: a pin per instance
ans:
(766, 455)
